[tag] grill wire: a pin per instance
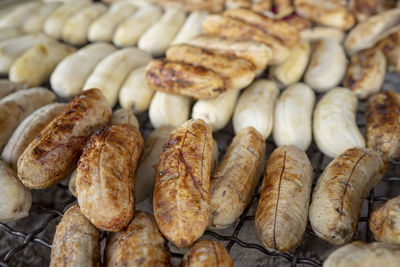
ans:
(23, 241)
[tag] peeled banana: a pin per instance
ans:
(256, 106)
(17, 106)
(35, 22)
(17, 16)
(159, 36)
(327, 65)
(54, 24)
(75, 30)
(102, 29)
(131, 29)
(145, 173)
(11, 49)
(293, 116)
(135, 93)
(70, 74)
(169, 109)
(217, 111)
(36, 65)
(292, 69)
(112, 71)
(192, 27)
(334, 126)
(10, 32)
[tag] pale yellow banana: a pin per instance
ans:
(334, 127)
(217, 111)
(256, 106)
(169, 109)
(191, 28)
(35, 66)
(293, 117)
(131, 29)
(75, 30)
(71, 74)
(159, 36)
(104, 27)
(135, 93)
(11, 49)
(110, 74)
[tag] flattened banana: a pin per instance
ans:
(255, 52)
(367, 33)
(383, 118)
(184, 79)
(284, 32)
(318, 32)
(390, 46)
(328, 13)
(238, 30)
(237, 72)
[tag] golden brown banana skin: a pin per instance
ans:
(53, 154)
(139, 244)
(237, 72)
(235, 29)
(236, 177)
(281, 217)
(181, 78)
(383, 121)
(279, 29)
(207, 253)
(76, 241)
(105, 176)
(181, 199)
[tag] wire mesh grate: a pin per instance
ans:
(24, 240)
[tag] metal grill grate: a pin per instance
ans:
(34, 243)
